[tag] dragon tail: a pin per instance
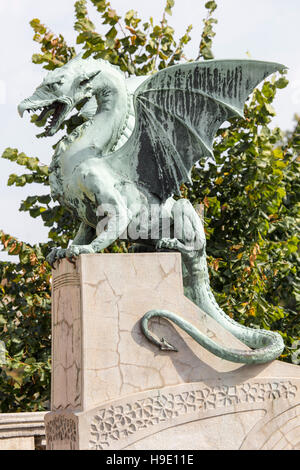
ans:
(265, 345)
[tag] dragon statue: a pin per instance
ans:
(137, 143)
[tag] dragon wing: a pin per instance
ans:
(178, 112)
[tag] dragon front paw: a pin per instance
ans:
(76, 250)
(169, 243)
(55, 254)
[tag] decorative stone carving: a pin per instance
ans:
(68, 279)
(61, 432)
(113, 423)
(279, 432)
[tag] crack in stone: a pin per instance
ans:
(113, 290)
(64, 321)
(118, 345)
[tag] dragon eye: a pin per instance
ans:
(84, 82)
(54, 86)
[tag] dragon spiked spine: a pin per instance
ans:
(136, 144)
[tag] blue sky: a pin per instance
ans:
(265, 29)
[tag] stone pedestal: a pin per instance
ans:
(113, 389)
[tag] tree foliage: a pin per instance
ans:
(250, 192)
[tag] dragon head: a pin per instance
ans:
(79, 82)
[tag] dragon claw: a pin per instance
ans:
(55, 255)
(71, 260)
(75, 250)
(170, 244)
(70, 254)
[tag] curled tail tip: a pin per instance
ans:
(165, 346)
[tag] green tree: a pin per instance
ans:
(250, 192)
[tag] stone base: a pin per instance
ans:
(112, 389)
(22, 431)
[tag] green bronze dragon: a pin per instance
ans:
(137, 143)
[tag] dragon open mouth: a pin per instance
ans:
(53, 115)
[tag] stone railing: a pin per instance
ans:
(22, 431)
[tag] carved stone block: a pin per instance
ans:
(112, 389)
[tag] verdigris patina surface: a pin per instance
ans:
(136, 146)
